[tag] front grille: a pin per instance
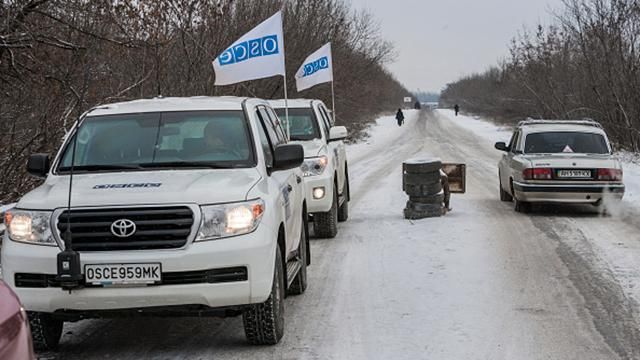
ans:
(212, 276)
(156, 228)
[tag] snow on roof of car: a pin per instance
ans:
(535, 126)
(171, 104)
(292, 103)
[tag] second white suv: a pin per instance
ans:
(185, 206)
(325, 166)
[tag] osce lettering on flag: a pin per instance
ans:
(258, 54)
(316, 69)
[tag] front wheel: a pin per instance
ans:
(325, 224)
(343, 211)
(504, 196)
(45, 331)
(264, 323)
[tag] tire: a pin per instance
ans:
(299, 284)
(416, 215)
(325, 224)
(421, 179)
(419, 207)
(522, 207)
(423, 190)
(422, 166)
(343, 211)
(264, 323)
(504, 196)
(45, 331)
(430, 199)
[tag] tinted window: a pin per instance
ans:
(266, 146)
(303, 124)
(275, 135)
(150, 140)
(566, 142)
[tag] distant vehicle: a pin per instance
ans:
(185, 206)
(325, 168)
(559, 162)
(15, 337)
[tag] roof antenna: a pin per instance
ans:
(69, 272)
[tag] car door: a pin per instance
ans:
(336, 149)
(506, 161)
(287, 181)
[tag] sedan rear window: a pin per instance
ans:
(565, 142)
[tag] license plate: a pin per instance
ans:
(574, 174)
(122, 274)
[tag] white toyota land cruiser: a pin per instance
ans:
(325, 166)
(179, 206)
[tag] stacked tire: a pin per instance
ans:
(421, 181)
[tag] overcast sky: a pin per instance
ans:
(438, 41)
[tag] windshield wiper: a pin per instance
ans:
(184, 164)
(97, 167)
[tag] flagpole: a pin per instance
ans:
(333, 102)
(286, 106)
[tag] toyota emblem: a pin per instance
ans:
(123, 228)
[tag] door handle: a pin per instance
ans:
(298, 179)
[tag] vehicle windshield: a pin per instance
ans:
(303, 124)
(206, 139)
(566, 142)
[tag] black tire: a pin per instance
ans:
(422, 179)
(45, 331)
(343, 211)
(416, 215)
(522, 206)
(422, 166)
(299, 284)
(419, 207)
(423, 190)
(325, 224)
(504, 196)
(431, 199)
(264, 323)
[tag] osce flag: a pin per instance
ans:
(316, 69)
(258, 54)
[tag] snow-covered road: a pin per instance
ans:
(483, 282)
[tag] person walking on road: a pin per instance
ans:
(457, 109)
(400, 117)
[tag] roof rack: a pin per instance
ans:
(586, 122)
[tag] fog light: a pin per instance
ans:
(318, 193)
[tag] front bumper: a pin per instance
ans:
(312, 182)
(255, 251)
(567, 193)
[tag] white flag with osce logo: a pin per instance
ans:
(258, 54)
(316, 69)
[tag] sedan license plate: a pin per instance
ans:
(574, 174)
(122, 274)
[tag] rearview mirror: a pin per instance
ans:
(338, 133)
(287, 157)
(502, 146)
(38, 165)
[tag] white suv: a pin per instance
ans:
(559, 161)
(187, 206)
(325, 166)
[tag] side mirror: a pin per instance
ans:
(287, 157)
(338, 133)
(38, 165)
(502, 146)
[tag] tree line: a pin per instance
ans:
(59, 58)
(585, 65)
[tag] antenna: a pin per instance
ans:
(69, 272)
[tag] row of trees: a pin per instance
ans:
(585, 65)
(59, 58)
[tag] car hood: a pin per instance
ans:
(144, 188)
(312, 147)
(578, 161)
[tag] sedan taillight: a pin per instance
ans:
(610, 174)
(538, 174)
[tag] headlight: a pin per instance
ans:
(29, 226)
(314, 166)
(220, 221)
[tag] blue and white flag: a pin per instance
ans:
(258, 54)
(316, 69)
